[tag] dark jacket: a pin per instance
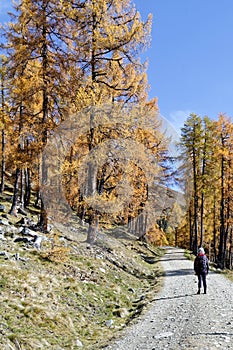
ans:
(201, 264)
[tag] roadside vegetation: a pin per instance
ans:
(71, 294)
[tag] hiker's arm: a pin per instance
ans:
(195, 266)
(207, 264)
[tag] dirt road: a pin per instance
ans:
(181, 319)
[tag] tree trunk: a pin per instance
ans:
(22, 188)
(190, 231)
(222, 219)
(202, 219)
(230, 249)
(13, 210)
(43, 220)
(227, 219)
(202, 194)
(27, 196)
(92, 229)
(3, 163)
(215, 231)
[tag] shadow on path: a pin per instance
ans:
(174, 252)
(225, 334)
(172, 259)
(175, 297)
(180, 272)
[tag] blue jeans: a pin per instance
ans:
(202, 278)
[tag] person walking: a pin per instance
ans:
(201, 268)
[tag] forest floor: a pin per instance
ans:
(179, 318)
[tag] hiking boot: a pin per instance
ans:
(198, 292)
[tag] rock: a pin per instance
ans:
(2, 238)
(23, 239)
(3, 221)
(5, 254)
(49, 228)
(11, 230)
(2, 208)
(142, 297)
(20, 229)
(149, 259)
(102, 270)
(22, 211)
(123, 312)
(79, 343)
(22, 221)
(109, 323)
(28, 232)
(16, 256)
(38, 241)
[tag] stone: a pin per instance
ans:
(37, 243)
(22, 239)
(79, 343)
(102, 270)
(22, 211)
(4, 221)
(2, 208)
(28, 232)
(122, 312)
(109, 323)
(5, 254)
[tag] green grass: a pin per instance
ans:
(189, 255)
(45, 304)
(50, 304)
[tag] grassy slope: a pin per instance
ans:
(55, 298)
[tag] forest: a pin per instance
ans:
(79, 133)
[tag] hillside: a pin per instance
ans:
(65, 294)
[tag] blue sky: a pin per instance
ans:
(190, 58)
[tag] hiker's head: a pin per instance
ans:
(201, 251)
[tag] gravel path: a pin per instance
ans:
(181, 319)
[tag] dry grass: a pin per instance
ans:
(65, 293)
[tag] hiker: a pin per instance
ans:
(201, 268)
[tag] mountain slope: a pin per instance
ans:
(66, 294)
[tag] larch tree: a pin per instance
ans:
(192, 144)
(37, 50)
(76, 53)
(4, 118)
(108, 37)
(117, 181)
(212, 143)
(206, 174)
(210, 189)
(224, 135)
